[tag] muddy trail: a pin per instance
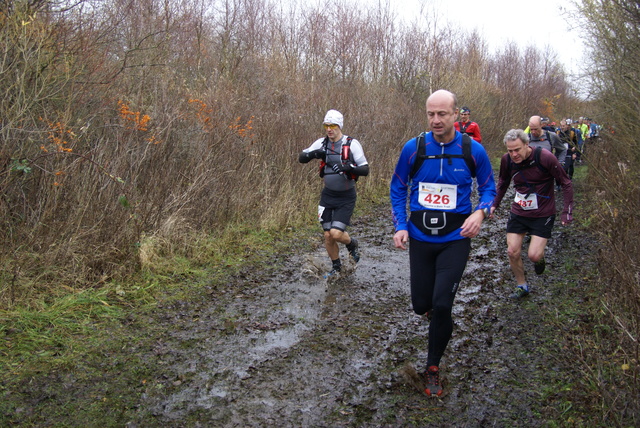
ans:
(291, 349)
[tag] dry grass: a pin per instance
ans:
(118, 147)
(615, 190)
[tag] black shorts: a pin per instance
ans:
(538, 226)
(336, 208)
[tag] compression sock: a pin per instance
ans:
(337, 265)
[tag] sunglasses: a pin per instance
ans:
(330, 125)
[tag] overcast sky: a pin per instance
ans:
(526, 22)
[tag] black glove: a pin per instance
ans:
(305, 157)
(338, 168)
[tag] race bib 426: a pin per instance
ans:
(438, 196)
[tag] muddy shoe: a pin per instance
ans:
(354, 250)
(540, 266)
(332, 274)
(520, 293)
(433, 387)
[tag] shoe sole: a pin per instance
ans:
(436, 395)
(519, 296)
(355, 258)
(435, 387)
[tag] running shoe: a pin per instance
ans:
(520, 293)
(354, 250)
(540, 266)
(333, 273)
(432, 377)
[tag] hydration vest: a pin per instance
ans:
(345, 157)
(464, 129)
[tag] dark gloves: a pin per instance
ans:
(338, 168)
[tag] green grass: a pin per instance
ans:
(571, 397)
(580, 173)
(48, 336)
(92, 343)
(56, 348)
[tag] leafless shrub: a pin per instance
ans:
(613, 29)
(128, 125)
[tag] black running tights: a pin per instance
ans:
(436, 270)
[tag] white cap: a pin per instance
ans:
(334, 117)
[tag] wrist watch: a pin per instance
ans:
(486, 212)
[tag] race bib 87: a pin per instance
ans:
(527, 202)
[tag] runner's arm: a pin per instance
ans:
(484, 177)
(314, 151)
(504, 180)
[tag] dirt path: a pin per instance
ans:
(292, 350)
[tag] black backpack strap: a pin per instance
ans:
(536, 156)
(421, 155)
(349, 157)
(536, 162)
(348, 144)
(421, 149)
(466, 153)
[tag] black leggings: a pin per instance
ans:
(568, 167)
(436, 270)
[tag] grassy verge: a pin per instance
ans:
(85, 353)
(599, 391)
